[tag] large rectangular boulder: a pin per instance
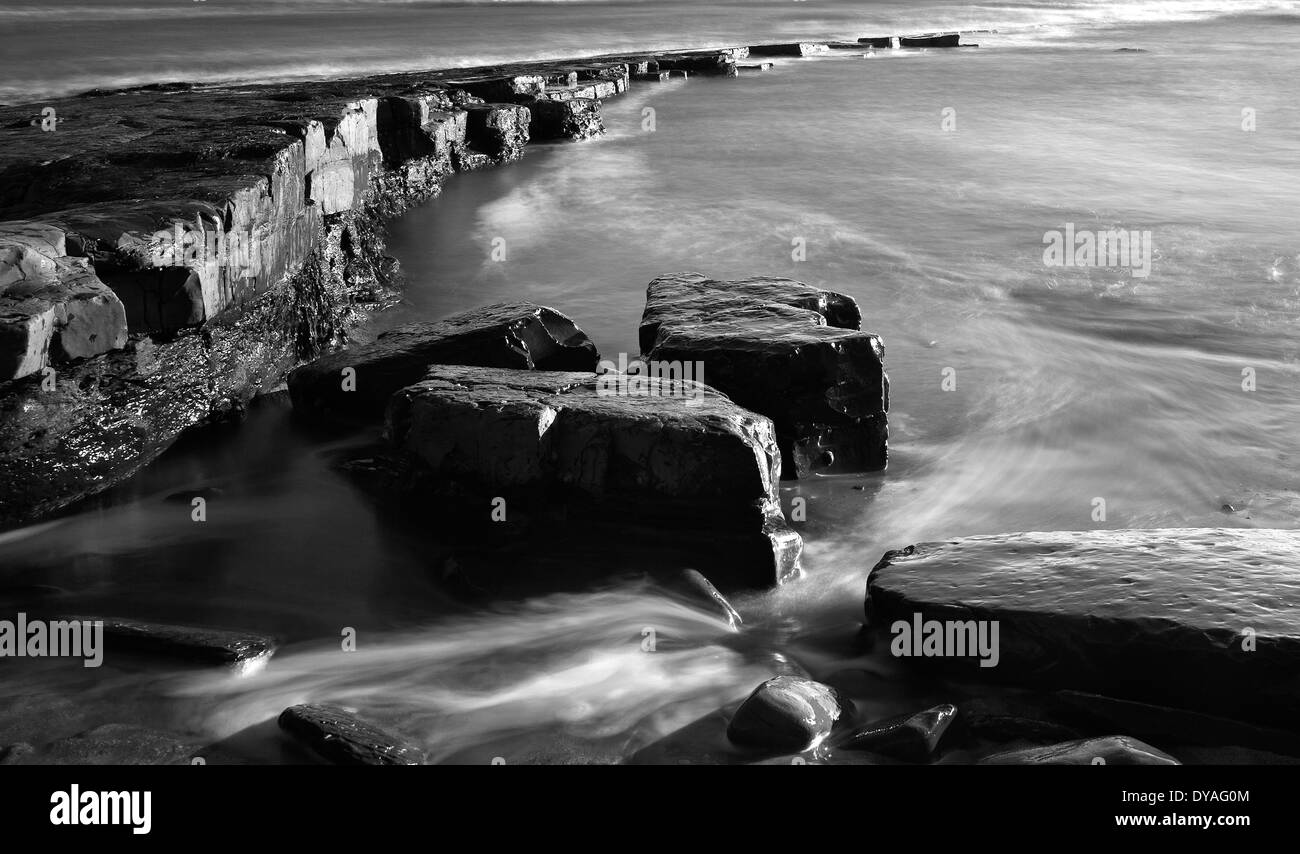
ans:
(1206, 619)
(664, 463)
(790, 351)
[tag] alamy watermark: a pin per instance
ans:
(637, 378)
(1114, 247)
(23, 638)
(946, 639)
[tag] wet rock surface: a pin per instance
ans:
(911, 738)
(110, 744)
(342, 738)
(671, 463)
(1110, 750)
(785, 714)
(184, 643)
(519, 335)
(1199, 619)
(787, 350)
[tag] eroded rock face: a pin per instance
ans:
(340, 737)
(1202, 618)
(575, 118)
(53, 308)
(519, 335)
(1110, 750)
(785, 714)
(661, 463)
(787, 350)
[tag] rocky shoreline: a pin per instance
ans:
(169, 252)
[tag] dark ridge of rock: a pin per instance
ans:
(1201, 619)
(821, 380)
(910, 738)
(110, 744)
(519, 335)
(754, 66)
(790, 49)
(1177, 726)
(674, 464)
(703, 590)
(576, 118)
(785, 714)
(342, 738)
(1109, 750)
(995, 720)
(191, 644)
(932, 40)
(877, 41)
(715, 62)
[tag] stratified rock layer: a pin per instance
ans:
(518, 335)
(1203, 619)
(680, 463)
(782, 348)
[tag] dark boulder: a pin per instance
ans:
(786, 714)
(242, 650)
(1199, 618)
(790, 49)
(679, 465)
(342, 738)
(911, 738)
(504, 335)
(790, 351)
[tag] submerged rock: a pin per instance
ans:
(1202, 618)
(790, 351)
(185, 643)
(785, 714)
(340, 737)
(911, 738)
(1109, 750)
(110, 744)
(519, 335)
(667, 463)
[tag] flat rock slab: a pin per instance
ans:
(242, 650)
(342, 738)
(785, 714)
(1110, 750)
(503, 335)
(785, 349)
(673, 460)
(1204, 618)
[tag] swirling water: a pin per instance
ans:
(921, 183)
